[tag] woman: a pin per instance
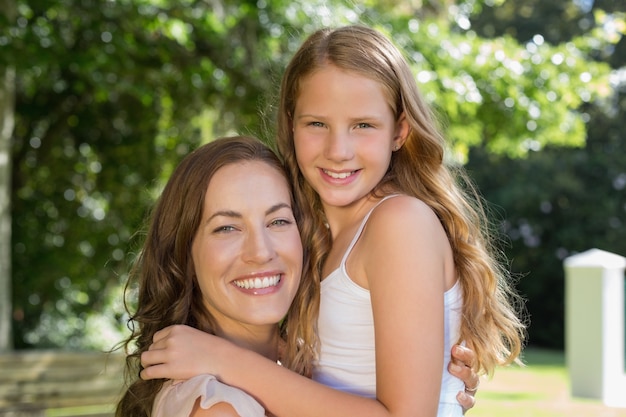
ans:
(222, 254)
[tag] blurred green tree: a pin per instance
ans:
(560, 201)
(7, 120)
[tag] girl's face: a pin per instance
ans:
(344, 134)
(247, 251)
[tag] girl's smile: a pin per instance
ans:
(344, 134)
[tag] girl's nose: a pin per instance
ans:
(338, 147)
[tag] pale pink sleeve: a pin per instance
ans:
(176, 398)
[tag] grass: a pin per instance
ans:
(540, 389)
(87, 411)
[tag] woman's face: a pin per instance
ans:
(247, 250)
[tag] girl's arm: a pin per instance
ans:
(408, 264)
(180, 352)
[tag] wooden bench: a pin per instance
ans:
(32, 382)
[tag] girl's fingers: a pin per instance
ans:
(152, 357)
(161, 334)
(152, 372)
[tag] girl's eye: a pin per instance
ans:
(316, 124)
(363, 125)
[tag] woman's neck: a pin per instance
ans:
(264, 341)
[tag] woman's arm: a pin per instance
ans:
(461, 366)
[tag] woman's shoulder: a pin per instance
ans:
(221, 409)
(178, 398)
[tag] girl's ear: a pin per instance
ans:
(401, 132)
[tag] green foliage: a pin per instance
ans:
(512, 98)
(560, 201)
(554, 204)
(110, 95)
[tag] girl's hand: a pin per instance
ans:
(180, 352)
(461, 367)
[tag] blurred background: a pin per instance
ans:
(99, 99)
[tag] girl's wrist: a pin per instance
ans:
(233, 364)
(222, 354)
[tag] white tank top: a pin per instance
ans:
(347, 358)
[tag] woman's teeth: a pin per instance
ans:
(258, 283)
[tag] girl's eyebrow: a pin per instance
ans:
(365, 117)
(237, 215)
(303, 115)
(353, 119)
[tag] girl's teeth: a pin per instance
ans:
(338, 175)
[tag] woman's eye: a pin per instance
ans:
(223, 229)
(316, 124)
(281, 222)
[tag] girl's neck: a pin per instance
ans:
(342, 218)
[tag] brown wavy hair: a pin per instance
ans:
(164, 279)
(492, 322)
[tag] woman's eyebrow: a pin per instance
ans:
(277, 207)
(237, 215)
(224, 213)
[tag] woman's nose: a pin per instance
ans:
(259, 247)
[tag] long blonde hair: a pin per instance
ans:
(168, 292)
(491, 323)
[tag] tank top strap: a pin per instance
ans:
(357, 235)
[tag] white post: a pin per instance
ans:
(594, 326)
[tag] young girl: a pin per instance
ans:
(404, 256)
(222, 254)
